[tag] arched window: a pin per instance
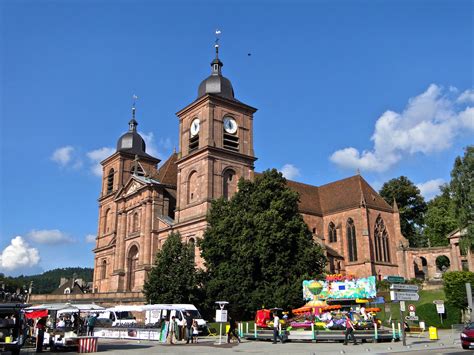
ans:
(110, 181)
(132, 262)
(229, 183)
(193, 187)
(381, 242)
(135, 222)
(103, 270)
(351, 240)
(332, 233)
(106, 221)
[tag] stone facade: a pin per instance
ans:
(140, 203)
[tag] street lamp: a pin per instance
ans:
(221, 317)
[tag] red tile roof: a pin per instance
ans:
(168, 173)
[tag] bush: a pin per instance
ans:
(427, 313)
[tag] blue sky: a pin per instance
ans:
(380, 86)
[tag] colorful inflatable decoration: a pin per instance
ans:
(339, 287)
(262, 318)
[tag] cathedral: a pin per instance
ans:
(142, 200)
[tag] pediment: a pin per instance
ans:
(132, 186)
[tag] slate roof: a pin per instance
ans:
(168, 173)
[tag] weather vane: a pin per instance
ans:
(134, 98)
(218, 32)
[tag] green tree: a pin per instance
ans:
(173, 278)
(440, 218)
(462, 189)
(257, 248)
(455, 287)
(412, 207)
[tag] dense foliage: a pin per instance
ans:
(440, 218)
(173, 278)
(48, 281)
(412, 207)
(455, 287)
(462, 192)
(258, 249)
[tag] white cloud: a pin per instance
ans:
(96, 156)
(431, 188)
(289, 171)
(466, 96)
(18, 254)
(151, 148)
(49, 236)
(63, 155)
(90, 238)
(430, 122)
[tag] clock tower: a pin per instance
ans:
(216, 146)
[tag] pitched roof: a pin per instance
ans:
(168, 173)
(309, 197)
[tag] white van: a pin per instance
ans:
(154, 313)
(118, 315)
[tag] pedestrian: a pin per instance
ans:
(91, 324)
(195, 331)
(232, 330)
(276, 329)
(189, 325)
(40, 327)
(349, 331)
(172, 329)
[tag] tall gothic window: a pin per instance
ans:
(106, 221)
(132, 262)
(192, 187)
(103, 271)
(382, 251)
(229, 183)
(351, 240)
(135, 223)
(332, 233)
(110, 181)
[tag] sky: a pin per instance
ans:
(380, 87)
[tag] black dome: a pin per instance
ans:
(132, 143)
(216, 83)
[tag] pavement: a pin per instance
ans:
(448, 344)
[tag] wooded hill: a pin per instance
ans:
(46, 282)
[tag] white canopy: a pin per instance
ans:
(67, 307)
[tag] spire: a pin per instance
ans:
(395, 206)
(133, 123)
(216, 64)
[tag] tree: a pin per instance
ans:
(257, 248)
(440, 218)
(462, 189)
(173, 278)
(411, 205)
(455, 287)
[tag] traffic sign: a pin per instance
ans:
(404, 296)
(438, 302)
(411, 308)
(396, 279)
(411, 318)
(402, 306)
(440, 308)
(412, 314)
(404, 287)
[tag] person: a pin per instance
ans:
(195, 331)
(276, 329)
(41, 327)
(232, 330)
(91, 324)
(61, 323)
(189, 324)
(349, 331)
(172, 329)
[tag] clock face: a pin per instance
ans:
(230, 126)
(195, 127)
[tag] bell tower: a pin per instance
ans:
(216, 145)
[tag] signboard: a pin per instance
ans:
(402, 306)
(404, 287)
(221, 315)
(379, 300)
(411, 308)
(387, 308)
(412, 314)
(396, 279)
(411, 318)
(334, 287)
(440, 308)
(438, 302)
(404, 296)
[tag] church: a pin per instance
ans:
(142, 199)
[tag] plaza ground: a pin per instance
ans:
(448, 343)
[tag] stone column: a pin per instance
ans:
(147, 253)
(122, 228)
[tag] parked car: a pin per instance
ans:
(13, 327)
(467, 336)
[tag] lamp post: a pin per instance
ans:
(221, 317)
